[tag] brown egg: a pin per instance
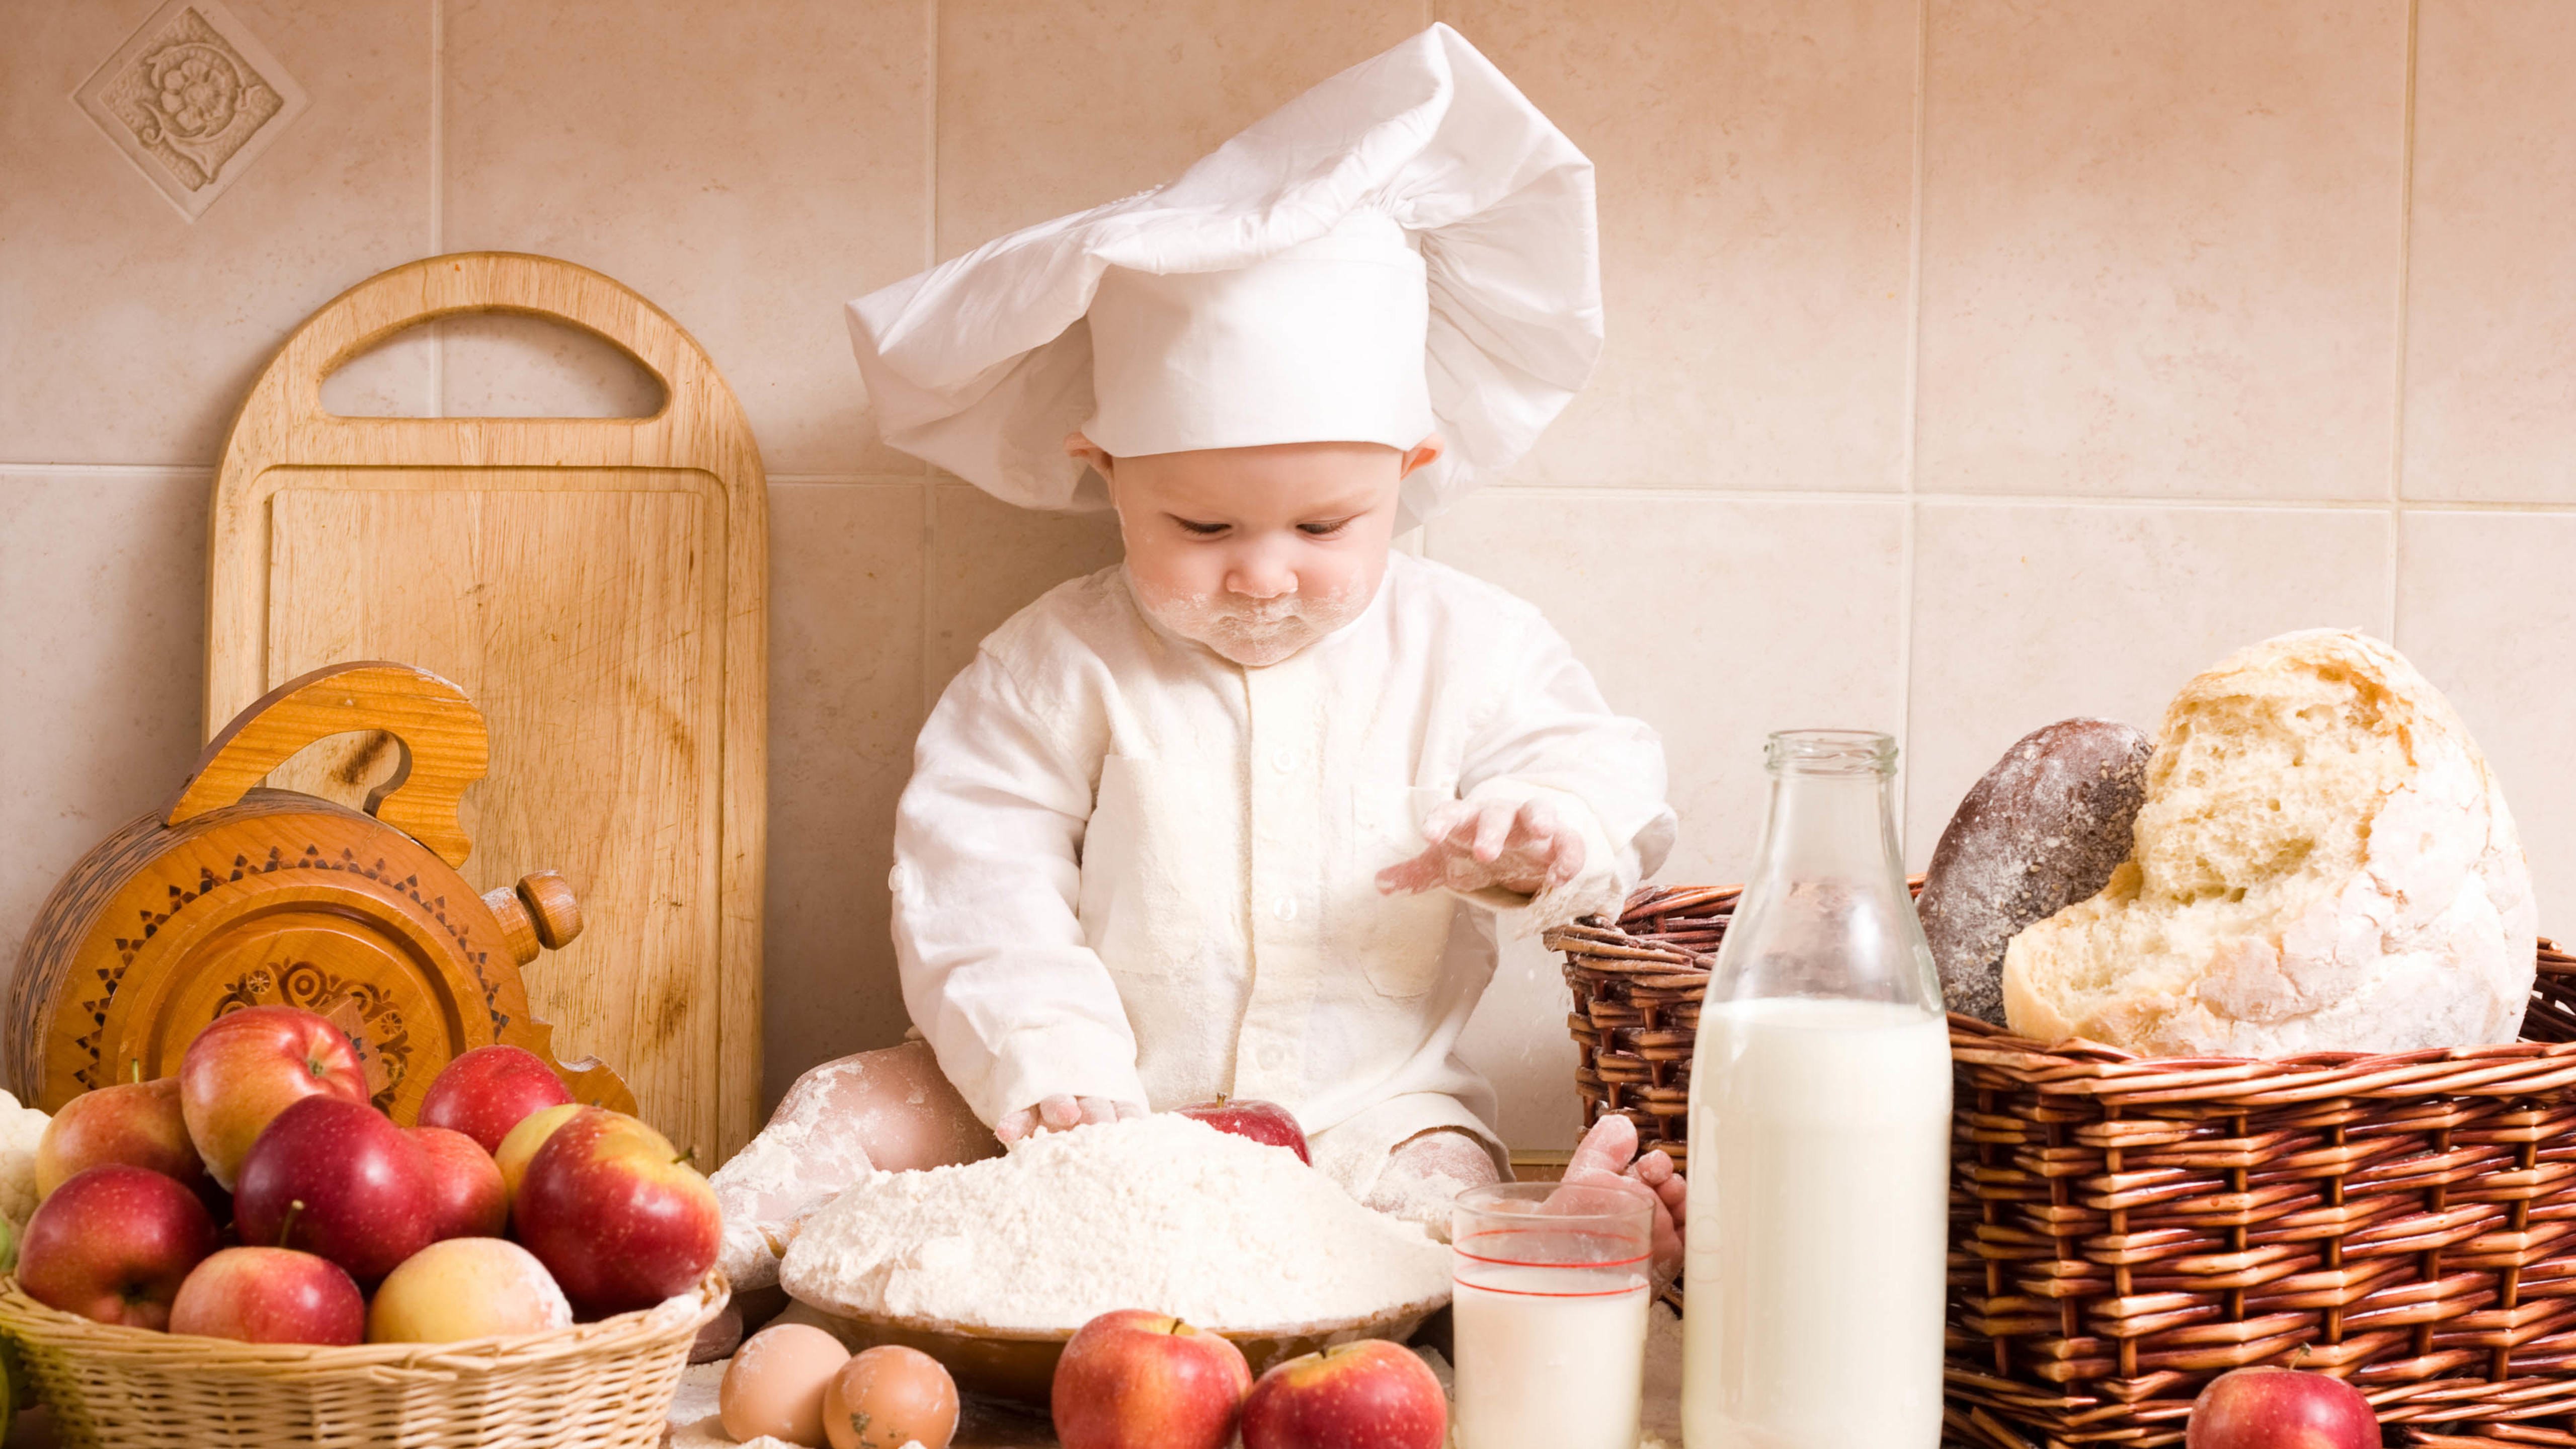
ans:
(775, 1384)
(890, 1396)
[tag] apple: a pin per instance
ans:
(270, 1295)
(1261, 1121)
(250, 1065)
(523, 1142)
(615, 1214)
(1138, 1380)
(490, 1090)
(466, 1288)
(135, 1123)
(339, 1179)
(467, 1196)
(1366, 1395)
(114, 1244)
(2279, 1408)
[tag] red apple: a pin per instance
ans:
(467, 1199)
(614, 1214)
(490, 1090)
(2279, 1408)
(250, 1065)
(1366, 1395)
(1137, 1380)
(1261, 1121)
(136, 1123)
(339, 1179)
(114, 1244)
(466, 1288)
(270, 1295)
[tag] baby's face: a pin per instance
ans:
(1258, 552)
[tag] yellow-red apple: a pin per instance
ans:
(270, 1295)
(135, 1123)
(249, 1065)
(490, 1090)
(1138, 1380)
(1366, 1395)
(615, 1214)
(339, 1179)
(523, 1142)
(466, 1288)
(114, 1244)
(467, 1196)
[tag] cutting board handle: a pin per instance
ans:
(289, 393)
(440, 732)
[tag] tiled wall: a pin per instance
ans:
(1973, 363)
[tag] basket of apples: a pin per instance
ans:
(252, 1254)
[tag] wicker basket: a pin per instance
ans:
(2125, 1229)
(605, 1385)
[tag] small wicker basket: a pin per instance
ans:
(2125, 1229)
(604, 1385)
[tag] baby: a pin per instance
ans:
(1240, 816)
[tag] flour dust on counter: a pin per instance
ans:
(1162, 1213)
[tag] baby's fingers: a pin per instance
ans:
(1016, 1125)
(1060, 1112)
(1495, 829)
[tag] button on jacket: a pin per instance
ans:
(1127, 867)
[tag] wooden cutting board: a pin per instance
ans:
(599, 586)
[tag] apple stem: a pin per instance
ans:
(287, 1227)
(690, 1157)
(134, 1072)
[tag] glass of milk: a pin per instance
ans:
(1819, 1131)
(1549, 1315)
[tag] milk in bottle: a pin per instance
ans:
(1819, 1132)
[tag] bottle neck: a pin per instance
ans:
(1838, 825)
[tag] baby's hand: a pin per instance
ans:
(1522, 846)
(1060, 1113)
(1607, 1157)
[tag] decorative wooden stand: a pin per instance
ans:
(238, 896)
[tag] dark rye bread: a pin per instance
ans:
(2044, 829)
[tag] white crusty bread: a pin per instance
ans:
(2323, 863)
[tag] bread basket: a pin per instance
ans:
(2125, 1229)
(604, 1385)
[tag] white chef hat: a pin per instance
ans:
(1406, 248)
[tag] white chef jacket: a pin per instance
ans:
(1127, 867)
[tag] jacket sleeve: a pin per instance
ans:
(987, 848)
(1551, 736)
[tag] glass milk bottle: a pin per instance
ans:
(1819, 1131)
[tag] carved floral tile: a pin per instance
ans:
(191, 99)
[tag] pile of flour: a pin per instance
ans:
(1161, 1213)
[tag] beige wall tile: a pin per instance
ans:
(2491, 296)
(747, 167)
(127, 334)
(2483, 609)
(844, 704)
(2160, 248)
(2026, 614)
(988, 559)
(103, 580)
(1716, 622)
(1755, 167)
(1051, 106)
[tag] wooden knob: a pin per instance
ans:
(518, 928)
(549, 900)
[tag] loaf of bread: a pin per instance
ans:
(2323, 863)
(2044, 829)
